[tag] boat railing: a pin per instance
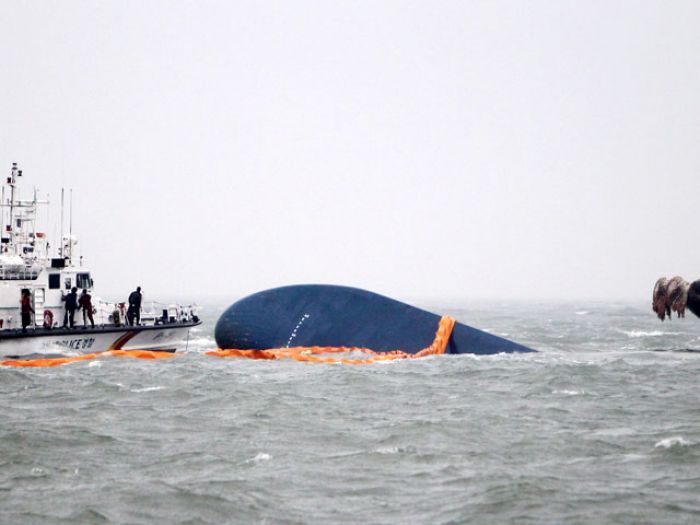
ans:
(11, 319)
(158, 312)
(152, 312)
(13, 274)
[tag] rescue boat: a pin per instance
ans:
(27, 262)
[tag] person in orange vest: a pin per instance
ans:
(85, 303)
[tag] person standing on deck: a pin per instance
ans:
(134, 311)
(85, 303)
(27, 310)
(71, 301)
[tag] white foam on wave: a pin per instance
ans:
(147, 389)
(392, 361)
(675, 441)
(582, 312)
(205, 342)
(569, 392)
(642, 333)
(394, 450)
(388, 450)
(260, 457)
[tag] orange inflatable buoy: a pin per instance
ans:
(57, 361)
(311, 353)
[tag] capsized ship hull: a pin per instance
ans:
(326, 315)
(59, 341)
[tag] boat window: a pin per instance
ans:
(54, 281)
(68, 283)
(84, 281)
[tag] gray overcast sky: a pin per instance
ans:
(471, 149)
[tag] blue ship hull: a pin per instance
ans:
(324, 315)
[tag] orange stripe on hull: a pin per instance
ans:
(119, 343)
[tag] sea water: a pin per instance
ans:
(601, 426)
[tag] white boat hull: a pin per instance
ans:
(85, 341)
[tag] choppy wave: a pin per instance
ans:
(147, 389)
(568, 392)
(259, 457)
(676, 441)
(642, 333)
(561, 436)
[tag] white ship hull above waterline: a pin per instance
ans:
(77, 341)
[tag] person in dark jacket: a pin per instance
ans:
(71, 301)
(85, 303)
(26, 307)
(134, 311)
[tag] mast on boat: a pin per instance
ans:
(19, 237)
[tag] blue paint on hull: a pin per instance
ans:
(325, 315)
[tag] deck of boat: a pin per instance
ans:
(18, 333)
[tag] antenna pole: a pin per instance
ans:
(70, 227)
(3, 206)
(36, 214)
(12, 206)
(60, 249)
(48, 221)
